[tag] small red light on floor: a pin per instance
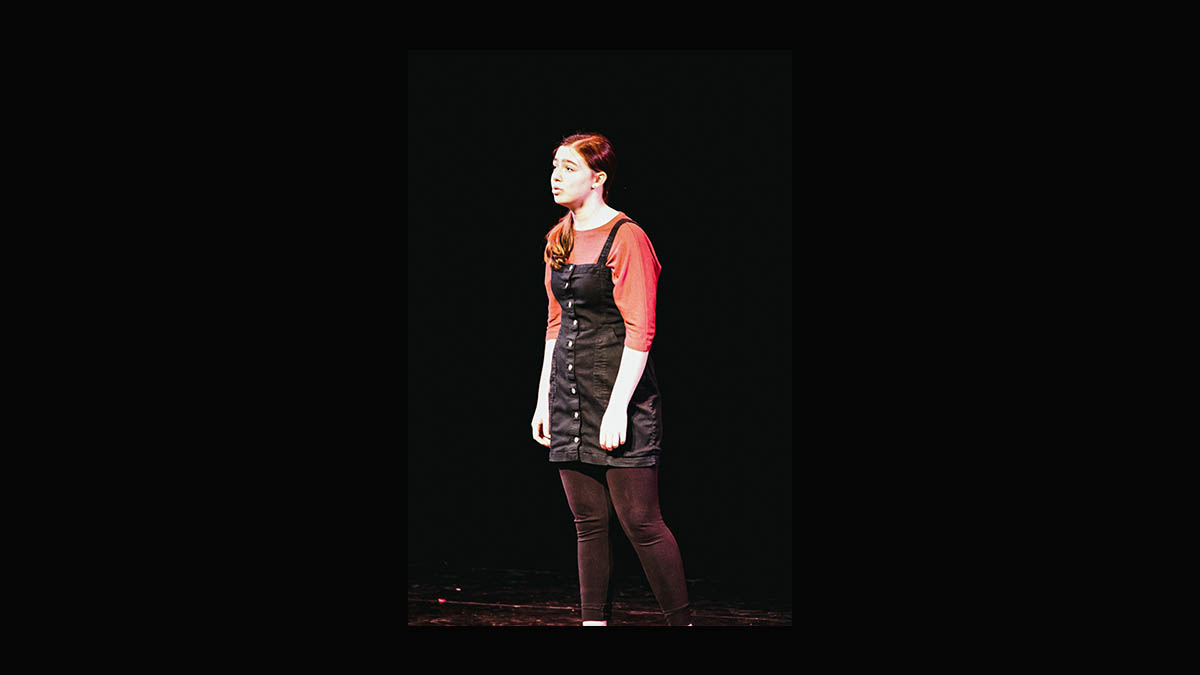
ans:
(441, 600)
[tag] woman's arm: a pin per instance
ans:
(612, 427)
(544, 383)
(635, 285)
(541, 411)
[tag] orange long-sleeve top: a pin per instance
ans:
(635, 270)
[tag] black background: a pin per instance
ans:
(705, 165)
(854, 389)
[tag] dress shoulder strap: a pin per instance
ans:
(611, 236)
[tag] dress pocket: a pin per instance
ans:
(601, 380)
(655, 422)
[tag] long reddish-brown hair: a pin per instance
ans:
(597, 152)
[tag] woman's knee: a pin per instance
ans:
(591, 524)
(643, 526)
(588, 501)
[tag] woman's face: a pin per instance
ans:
(571, 180)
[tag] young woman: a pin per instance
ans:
(598, 407)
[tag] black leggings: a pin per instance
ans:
(593, 493)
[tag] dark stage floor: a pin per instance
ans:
(503, 597)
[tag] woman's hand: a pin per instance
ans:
(612, 428)
(541, 424)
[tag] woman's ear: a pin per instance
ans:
(598, 179)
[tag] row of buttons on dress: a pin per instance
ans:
(571, 341)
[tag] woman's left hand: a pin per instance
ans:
(612, 428)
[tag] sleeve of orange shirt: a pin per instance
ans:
(554, 313)
(635, 269)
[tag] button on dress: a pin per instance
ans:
(587, 356)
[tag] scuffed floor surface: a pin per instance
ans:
(439, 596)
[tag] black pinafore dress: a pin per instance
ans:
(587, 356)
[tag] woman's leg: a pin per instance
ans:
(589, 500)
(634, 493)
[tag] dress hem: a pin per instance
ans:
(628, 463)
